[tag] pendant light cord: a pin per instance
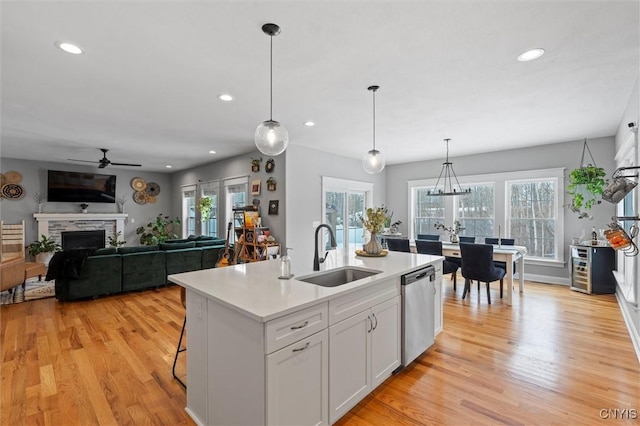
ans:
(374, 120)
(271, 79)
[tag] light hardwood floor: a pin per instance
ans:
(554, 357)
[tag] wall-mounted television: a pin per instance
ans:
(81, 187)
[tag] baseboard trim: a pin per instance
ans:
(627, 316)
(547, 279)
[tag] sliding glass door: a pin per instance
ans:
(343, 203)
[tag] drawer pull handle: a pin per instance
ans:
(302, 348)
(375, 318)
(298, 327)
(455, 253)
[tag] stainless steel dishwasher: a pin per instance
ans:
(418, 290)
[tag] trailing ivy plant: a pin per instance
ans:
(205, 205)
(586, 185)
(158, 231)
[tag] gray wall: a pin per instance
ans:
(305, 169)
(236, 167)
(541, 157)
(34, 179)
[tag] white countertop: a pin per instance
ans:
(254, 289)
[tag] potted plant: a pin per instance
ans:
(43, 249)
(115, 241)
(453, 230)
(84, 206)
(271, 184)
(158, 231)
(255, 164)
(586, 185)
(205, 205)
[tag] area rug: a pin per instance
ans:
(34, 290)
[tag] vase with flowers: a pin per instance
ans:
(373, 221)
(453, 230)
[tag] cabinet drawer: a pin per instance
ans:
(351, 304)
(288, 329)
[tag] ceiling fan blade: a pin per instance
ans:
(125, 164)
(83, 161)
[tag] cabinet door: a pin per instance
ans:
(385, 340)
(297, 382)
(350, 367)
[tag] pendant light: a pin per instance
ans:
(373, 161)
(271, 137)
(448, 176)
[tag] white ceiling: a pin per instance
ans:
(147, 86)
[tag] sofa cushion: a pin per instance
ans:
(103, 251)
(136, 249)
(176, 240)
(177, 246)
(211, 254)
(184, 260)
(143, 270)
(208, 243)
(100, 275)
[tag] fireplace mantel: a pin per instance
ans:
(44, 219)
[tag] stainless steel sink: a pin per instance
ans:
(339, 276)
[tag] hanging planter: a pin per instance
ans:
(586, 185)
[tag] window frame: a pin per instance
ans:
(184, 189)
(501, 204)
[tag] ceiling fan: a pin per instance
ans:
(104, 161)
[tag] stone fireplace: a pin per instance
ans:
(54, 224)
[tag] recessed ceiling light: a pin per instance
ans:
(530, 55)
(168, 166)
(309, 123)
(69, 48)
(225, 97)
(212, 152)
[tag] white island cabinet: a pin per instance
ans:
(285, 352)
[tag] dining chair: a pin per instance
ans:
(429, 237)
(435, 248)
(183, 301)
(504, 242)
(477, 264)
(464, 239)
(398, 244)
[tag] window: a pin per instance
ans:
(344, 202)
(188, 210)
(427, 211)
(476, 211)
(236, 195)
(532, 216)
(209, 226)
(525, 206)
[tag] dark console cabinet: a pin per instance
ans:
(592, 269)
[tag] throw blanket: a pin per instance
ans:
(67, 264)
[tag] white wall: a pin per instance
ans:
(631, 311)
(541, 157)
(34, 179)
(303, 206)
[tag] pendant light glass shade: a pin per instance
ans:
(373, 161)
(271, 137)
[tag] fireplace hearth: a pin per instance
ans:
(75, 240)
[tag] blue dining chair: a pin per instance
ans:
(428, 237)
(398, 244)
(504, 242)
(477, 264)
(435, 248)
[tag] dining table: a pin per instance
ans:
(501, 253)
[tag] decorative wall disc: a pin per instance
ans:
(1, 179)
(12, 191)
(140, 197)
(12, 177)
(138, 184)
(151, 199)
(152, 188)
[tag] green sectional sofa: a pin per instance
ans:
(110, 271)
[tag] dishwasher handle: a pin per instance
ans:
(420, 274)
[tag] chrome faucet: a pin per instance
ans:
(318, 260)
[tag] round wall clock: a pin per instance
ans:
(270, 165)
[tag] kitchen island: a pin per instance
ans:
(263, 350)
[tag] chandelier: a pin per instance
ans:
(448, 176)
